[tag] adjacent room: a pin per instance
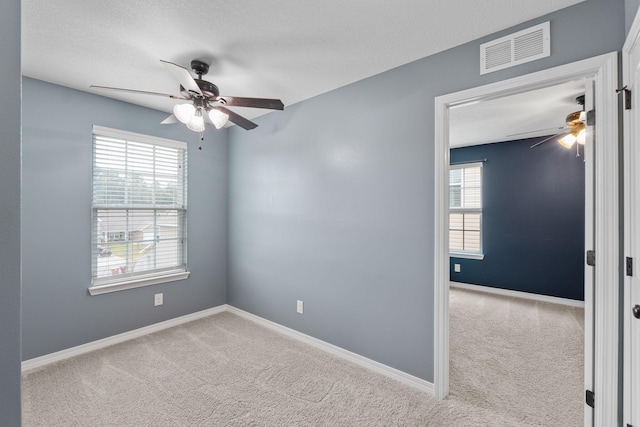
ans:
(516, 242)
(222, 213)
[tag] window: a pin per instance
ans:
(139, 210)
(465, 210)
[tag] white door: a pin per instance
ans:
(631, 373)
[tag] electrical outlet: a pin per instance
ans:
(456, 268)
(158, 299)
(300, 307)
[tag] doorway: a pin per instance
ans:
(516, 309)
(602, 349)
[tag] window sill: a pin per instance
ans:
(466, 255)
(137, 283)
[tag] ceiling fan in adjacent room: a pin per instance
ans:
(574, 130)
(204, 104)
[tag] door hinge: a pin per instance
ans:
(627, 97)
(591, 118)
(629, 266)
(591, 258)
(589, 398)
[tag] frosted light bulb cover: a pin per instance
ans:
(184, 112)
(581, 137)
(567, 141)
(196, 123)
(218, 118)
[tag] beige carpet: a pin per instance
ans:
(529, 361)
(227, 371)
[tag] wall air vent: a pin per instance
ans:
(515, 49)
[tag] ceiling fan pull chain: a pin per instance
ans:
(201, 139)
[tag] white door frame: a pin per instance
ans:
(631, 223)
(604, 70)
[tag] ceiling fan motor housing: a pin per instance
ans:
(573, 119)
(208, 89)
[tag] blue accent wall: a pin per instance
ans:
(532, 219)
(10, 256)
(58, 312)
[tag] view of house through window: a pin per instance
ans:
(139, 207)
(465, 209)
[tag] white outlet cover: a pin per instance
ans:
(300, 307)
(456, 268)
(158, 299)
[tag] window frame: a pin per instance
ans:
(460, 253)
(101, 285)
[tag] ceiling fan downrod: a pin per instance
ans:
(200, 68)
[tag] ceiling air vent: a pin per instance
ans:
(514, 49)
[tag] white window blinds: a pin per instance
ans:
(139, 207)
(465, 208)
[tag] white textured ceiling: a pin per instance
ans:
(530, 114)
(286, 49)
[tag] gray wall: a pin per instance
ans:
(10, 213)
(58, 312)
(331, 201)
(631, 8)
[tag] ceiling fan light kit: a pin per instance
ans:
(575, 131)
(203, 101)
(184, 112)
(575, 121)
(218, 118)
(567, 141)
(196, 122)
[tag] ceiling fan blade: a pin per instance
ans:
(549, 138)
(142, 92)
(237, 119)
(557, 128)
(183, 76)
(170, 120)
(237, 101)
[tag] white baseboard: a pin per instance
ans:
(518, 294)
(372, 365)
(116, 339)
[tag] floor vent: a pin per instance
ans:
(515, 49)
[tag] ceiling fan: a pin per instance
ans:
(204, 102)
(574, 130)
